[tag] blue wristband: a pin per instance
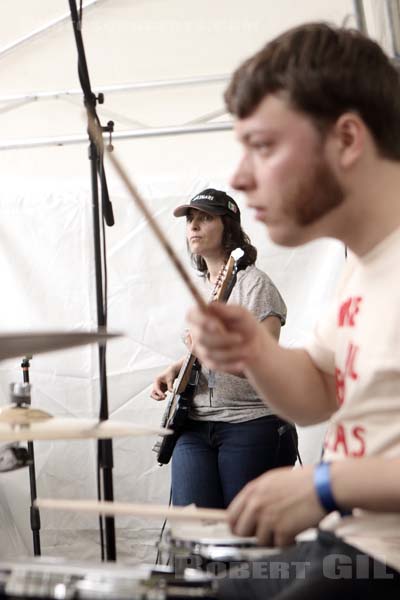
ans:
(322, 483)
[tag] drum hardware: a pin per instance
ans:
(14, 456)
(211, 548)
(20, 422)
(19, 411)
(20, 414)
(200, 538)
(53, 579)
(22, 396)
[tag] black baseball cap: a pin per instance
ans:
(214, 202)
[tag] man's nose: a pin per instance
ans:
(242, 179)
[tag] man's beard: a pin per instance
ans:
(315, 195)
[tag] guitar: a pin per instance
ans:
(177, 411)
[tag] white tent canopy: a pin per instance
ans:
(161, 65)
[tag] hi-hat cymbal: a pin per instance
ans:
(22, 344)
(74, 429)
(17, 415)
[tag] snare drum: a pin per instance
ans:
(212, 548)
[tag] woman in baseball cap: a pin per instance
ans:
(231, 436)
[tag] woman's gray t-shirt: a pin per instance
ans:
(223, 397)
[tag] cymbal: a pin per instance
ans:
(74, 429)
(175, 513)
(17, 415)
(21, 344)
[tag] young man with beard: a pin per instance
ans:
(318, 115)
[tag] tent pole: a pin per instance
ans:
(38, 32)
(127, 87)
(360, 16)
(119, 135)
(393, 13)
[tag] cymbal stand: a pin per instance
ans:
(35, 515)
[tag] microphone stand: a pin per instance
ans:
(105, 451)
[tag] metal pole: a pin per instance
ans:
(127, 87)
(393, 13)
(360, 16)
(121, 135)
(207, 117)
(38, 32)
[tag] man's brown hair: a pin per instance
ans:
(325, 71)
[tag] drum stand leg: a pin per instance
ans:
(35, 514)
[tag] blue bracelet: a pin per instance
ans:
(322, 483)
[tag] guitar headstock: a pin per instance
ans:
(227, 277)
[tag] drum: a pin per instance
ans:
(213, 549)
(57, 579)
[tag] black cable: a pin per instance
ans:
(84, 78)
(158, 557)
(289, 427)
(101, 525)
(105, 273)
(296, 442)
(105, 297)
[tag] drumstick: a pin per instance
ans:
(173, 513)
(96, 133)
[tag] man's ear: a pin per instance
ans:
(349, 133)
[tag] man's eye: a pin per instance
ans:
(262, 146)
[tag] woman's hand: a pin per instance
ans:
(165, 381)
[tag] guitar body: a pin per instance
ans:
(177, 411)
(176, 416)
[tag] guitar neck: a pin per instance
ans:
(184, 373)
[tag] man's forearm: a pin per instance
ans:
(367, 483)
(291, 384)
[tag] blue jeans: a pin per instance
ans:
(212, 460)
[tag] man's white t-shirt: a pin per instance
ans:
(358, 343)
